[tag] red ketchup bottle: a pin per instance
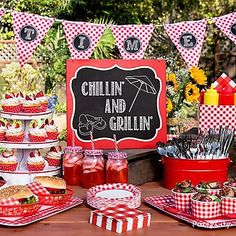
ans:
(226, 96)
(73, 165)
(93, 168)
(117, 168)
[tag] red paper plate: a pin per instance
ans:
(19, 210)
(55, 199)
(107, 195)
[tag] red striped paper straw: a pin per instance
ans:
(91, 138)
(115, 142)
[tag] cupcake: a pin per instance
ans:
(31, 105)
(35, 161)
(11, 104)
(37, 133)
(15, 132)
(54, 155)
(43, 100)
(228, 204)
(212, 187)
(182, 193)
(206, 206)
(2, 130)
(231, 183)
(52, 129)
(8, 161)
(21, 98)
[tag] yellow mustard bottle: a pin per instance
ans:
(211, 97)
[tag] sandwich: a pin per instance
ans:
(54, 185)
(22, 193)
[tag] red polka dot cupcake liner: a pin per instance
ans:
(2, 136)
(53, 162)
(38, 167)
(8, 167)
(44, 107)
(33, 109)
(13, 109)
(52, 135)
(37, 139)
(15, 139)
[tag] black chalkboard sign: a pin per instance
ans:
(116, 100)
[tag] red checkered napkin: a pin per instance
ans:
(216, 116)
(228, 206)
(223, 81)
(225, 24)
(206, 210)
(9, 201)
(37, 188)
(182, 200)
(197, 28)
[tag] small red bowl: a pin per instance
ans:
(55, 199)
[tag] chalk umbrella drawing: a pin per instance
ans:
(142, 83)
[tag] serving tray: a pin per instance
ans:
(165, 203)
(44, 212)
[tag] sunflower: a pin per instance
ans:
(192, 92)
(171, 80)
(198, 75)
(169, 105)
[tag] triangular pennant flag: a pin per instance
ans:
(29, 30)
(188, 38)
(132, 40)
(82, 38)
(227, 24)
(2, 12)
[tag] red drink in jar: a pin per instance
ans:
(117, 168)
(73, 165)
(93, 168)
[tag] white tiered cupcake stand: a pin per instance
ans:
(22, 175)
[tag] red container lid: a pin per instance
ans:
(95, 152)
(73, 149)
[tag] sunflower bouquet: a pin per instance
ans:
(183, 91)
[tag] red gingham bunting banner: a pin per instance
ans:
(224, 81)
(29, 30)
(132, 40)
(82, 38)
(2, 12)
(227, 24)
(188, 38)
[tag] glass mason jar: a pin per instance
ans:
(93, 168)
(117, 168)
(73, 165)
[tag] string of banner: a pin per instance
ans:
(131, 40)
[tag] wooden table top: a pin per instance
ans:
(74, 222)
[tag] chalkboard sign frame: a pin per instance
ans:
(74, 67)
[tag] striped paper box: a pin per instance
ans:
(120, 218)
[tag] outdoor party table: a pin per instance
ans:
(75, 221)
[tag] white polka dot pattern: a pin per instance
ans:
(93, 31)
(41, 24)
(224, 23)
(142, 32)
(197, 28)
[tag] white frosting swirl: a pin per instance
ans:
(10, 101)
(14, 131)
(36, 159)
(3, 129)
(43, 99)
(30, 102)
(37, 131)
(7, 159)
(54, 155)
(51, 128)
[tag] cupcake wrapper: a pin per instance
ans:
(37, 139)
(44, 107)
(33, 109)
(228, 206)
(52, 135)
(53, 162)
(35, 167)
(13, 109)
(16, 139)
(2, 137)
(8, 167)
(183, 200)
